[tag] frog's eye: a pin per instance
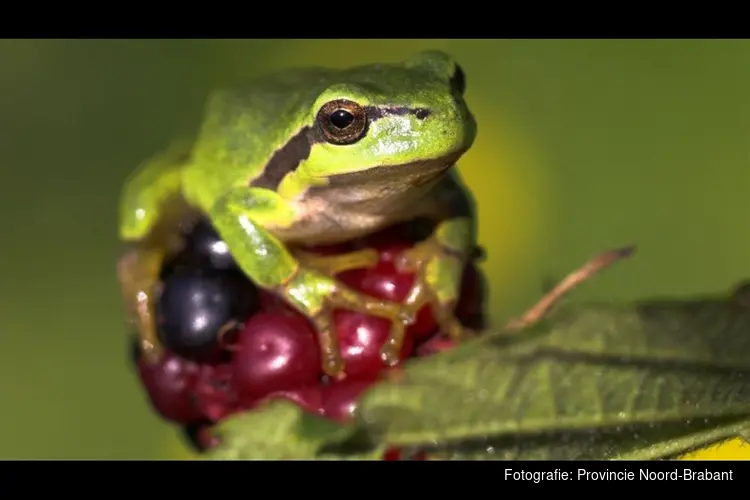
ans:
(342, 122)
(458, 80)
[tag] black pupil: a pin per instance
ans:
(341, 118)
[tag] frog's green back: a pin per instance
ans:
(245, 126)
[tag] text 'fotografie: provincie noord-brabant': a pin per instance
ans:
(582, 474)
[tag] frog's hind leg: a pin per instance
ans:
(318, 294)
(150, 214)
(439, 271)
(138, 273)
(440, 260)
(347, 298)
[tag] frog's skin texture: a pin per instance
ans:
(315, 156)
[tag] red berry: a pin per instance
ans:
(336, 401)
(395, 454)
(270, 301)
(275, 352)
(385, 282)
(360, 339)
(308, 398)
(339, 399)
(214, 395)
(169, 383)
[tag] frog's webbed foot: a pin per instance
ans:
(138, 273)
(439, 272)
(318, 295)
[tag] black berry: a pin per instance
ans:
(206, 245)
(196, 305)
(203, 248)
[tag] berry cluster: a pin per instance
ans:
(230, 346)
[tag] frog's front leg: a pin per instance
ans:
(241, 218)
(440, 260)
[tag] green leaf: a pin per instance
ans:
(642, 442)
(647, 380)
(597, 381)
(281, 430)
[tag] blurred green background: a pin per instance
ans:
(583, 145)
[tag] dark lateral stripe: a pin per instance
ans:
(288, 158)
(375, 112)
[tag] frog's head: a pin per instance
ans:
(390, 121)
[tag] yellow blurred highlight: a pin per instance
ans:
(731, 449)
(502, 171)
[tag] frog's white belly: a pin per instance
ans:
(335, 214)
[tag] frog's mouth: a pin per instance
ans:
(412, 173)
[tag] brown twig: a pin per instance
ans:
(583, 273)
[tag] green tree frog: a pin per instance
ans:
(315, 156)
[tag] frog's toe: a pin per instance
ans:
(400, 317)
(332, 363)
(438, 279)
(318, 295)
